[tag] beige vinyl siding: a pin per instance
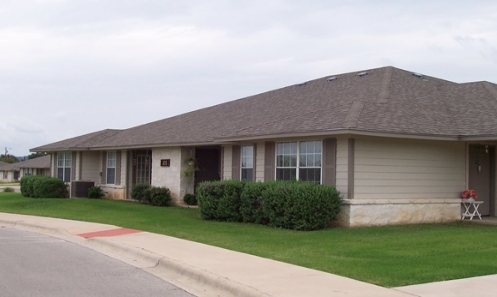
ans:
(401, 168)
(342, 166)
(90, 166)
(124, 168)
(259, 161)
(228, 162)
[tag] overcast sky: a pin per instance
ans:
(71, 67)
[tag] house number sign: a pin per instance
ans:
(165, 162)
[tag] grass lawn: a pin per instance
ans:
(9, 184)
(387, 256)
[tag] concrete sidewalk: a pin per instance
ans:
(211, 271)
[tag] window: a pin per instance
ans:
(27, 171)
(286, 161)
(5, 174)
(64, 162)
(111, 167)
(299, 161)
(247, 162)
(310, 161)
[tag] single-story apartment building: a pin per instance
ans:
(400, 146)
(15, 171)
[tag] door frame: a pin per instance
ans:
(490, 149)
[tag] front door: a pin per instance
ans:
(481, 164)
(209, 164)
(142, 167)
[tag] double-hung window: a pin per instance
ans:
(64, 162)
(247, 162)
(299, 161)
(111, 167)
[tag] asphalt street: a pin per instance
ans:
(33, 264)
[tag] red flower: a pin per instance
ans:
(469, 194)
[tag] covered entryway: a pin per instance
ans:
(482, 176)
(208, 163)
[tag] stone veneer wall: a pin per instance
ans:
(114, 191)
(379, 212)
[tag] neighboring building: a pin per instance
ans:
(15, 171)
(399, 146)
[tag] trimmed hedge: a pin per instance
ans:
(157, 196)
(40, 186)
(27, 182)
(220, 200)
(251, 203)
(291, 205)
(140, 192)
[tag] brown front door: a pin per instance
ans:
(142, 167)
(209, 164)
(481, 176)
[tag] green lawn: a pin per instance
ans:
(387, 256)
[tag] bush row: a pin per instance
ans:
(157, 196)
(40, 186)
(291, 205)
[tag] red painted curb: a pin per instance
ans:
(108, 233)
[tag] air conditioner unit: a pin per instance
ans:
(79, 188)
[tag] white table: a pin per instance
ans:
(471, 209)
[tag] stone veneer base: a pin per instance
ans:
(381, 212)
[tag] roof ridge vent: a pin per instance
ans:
(332, 78)
(362, 74)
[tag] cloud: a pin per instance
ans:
(74, 67)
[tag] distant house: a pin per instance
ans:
(13, 172)
(399, 146)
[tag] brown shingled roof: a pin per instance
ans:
(82, 142)
(386, 100)
(39, 163)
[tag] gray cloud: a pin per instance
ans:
(74, 67)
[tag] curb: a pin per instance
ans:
(199, 282)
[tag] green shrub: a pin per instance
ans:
(190, 199)
(49, 187)
(158, 196)
(273, 200)
(95, 193)
(251, 203)
(140, 192)
(27, 184)
(291, 205)
(220, 200)
(310, 206)
(8, 190)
